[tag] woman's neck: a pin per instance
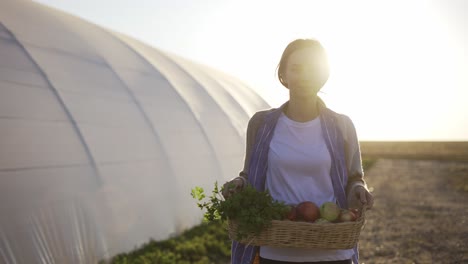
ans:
(302, 109)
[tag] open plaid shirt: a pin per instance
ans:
(244, 254)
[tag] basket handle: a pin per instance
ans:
(363, 211)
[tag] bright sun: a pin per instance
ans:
(397, 67)
(387, 74)
(395, 72)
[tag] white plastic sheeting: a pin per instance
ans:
(102, 137)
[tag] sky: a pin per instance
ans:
(399, 69)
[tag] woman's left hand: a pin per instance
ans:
(361, 197)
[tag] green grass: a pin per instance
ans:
(203, 244)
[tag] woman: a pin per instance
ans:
(302, 151)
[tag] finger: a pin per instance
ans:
(370, 200)
(358, 192)
(362, 196)
(225, 190)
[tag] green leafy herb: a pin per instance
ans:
(252, 210)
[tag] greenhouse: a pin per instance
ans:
(102, 137)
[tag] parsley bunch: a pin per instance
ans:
(252, 210)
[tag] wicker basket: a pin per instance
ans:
(305, 235)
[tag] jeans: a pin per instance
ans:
(270, 261)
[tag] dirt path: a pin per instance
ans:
(418, 217)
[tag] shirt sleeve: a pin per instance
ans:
(353, 154)
(250, 139)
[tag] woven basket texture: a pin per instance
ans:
(298, 234)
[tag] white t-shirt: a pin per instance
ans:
(299, 170)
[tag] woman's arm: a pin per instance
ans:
(356, 188)
(252, 128)
(240, 181)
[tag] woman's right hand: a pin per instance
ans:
(232, 186)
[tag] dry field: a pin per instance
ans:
(421, 203)
(451, 150)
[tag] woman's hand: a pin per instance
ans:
(233, 186)
(360, 197)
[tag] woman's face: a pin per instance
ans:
(306, 71)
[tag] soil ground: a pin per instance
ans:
(420, 213)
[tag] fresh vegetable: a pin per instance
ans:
(292, 213)
(347, 216)
(330, 211)
(308, 211)
(252, 210)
